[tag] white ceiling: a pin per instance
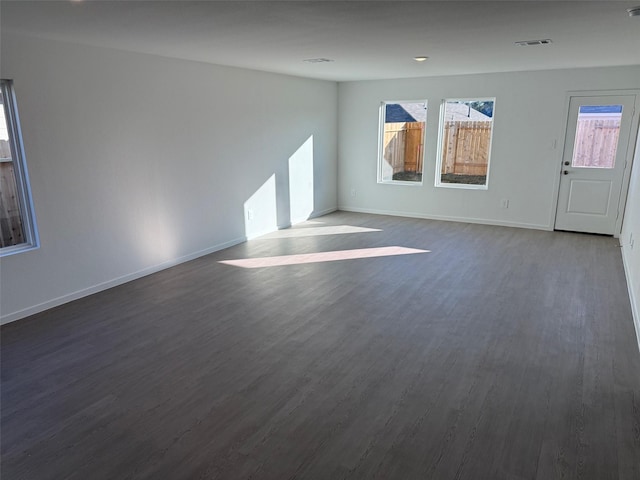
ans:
(366, 39)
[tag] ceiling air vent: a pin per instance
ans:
(531, 43)
(318, 60)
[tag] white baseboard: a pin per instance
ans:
(25, 312)
(317, 214)
(635, 302)
(320, 213)
(483, 221)
(283, 226)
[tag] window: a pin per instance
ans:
(597, 135)
(401, 148)
(17, 224)
(464, 143)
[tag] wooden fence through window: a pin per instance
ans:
(596, 142)
(11, 228)
(466, 147)
(403, 146)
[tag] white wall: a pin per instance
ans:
(631, 233)
(138, 162)
(530, 116)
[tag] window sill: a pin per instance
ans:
(14, 249)
(462, 186)
(399, 182)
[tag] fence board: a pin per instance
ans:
(413, 147)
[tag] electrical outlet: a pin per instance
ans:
(631, 240)
(353, 192)
(249, 214)
(504, 203)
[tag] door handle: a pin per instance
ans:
(567, 163)
(566, 172)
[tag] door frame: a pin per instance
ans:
(629, 154)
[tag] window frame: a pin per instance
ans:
(381, 122)
(464, 186)
(25, 200)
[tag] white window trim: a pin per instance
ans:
(32, 240)
(381, 120)
(438, 174)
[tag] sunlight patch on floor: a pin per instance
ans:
(322, 257)
(317, 231)
(310, 222)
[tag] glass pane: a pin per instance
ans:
(597, 134)
(466, 141)
(11, 227)
(403, 142)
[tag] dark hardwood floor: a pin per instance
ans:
(502, 353)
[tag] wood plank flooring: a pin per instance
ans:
(501, 353)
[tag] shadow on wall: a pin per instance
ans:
(261, 209)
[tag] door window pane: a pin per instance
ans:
(597, 134)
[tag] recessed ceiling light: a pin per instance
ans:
(317, 60)
(634, 11)
(420, 59)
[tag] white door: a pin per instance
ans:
(593, 163)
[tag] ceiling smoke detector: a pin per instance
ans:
(531, 43)
(317, 60)
(634, 11)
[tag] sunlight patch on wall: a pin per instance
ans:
(158, 241)
(301, 182)
(260, 211)
(322, 257)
